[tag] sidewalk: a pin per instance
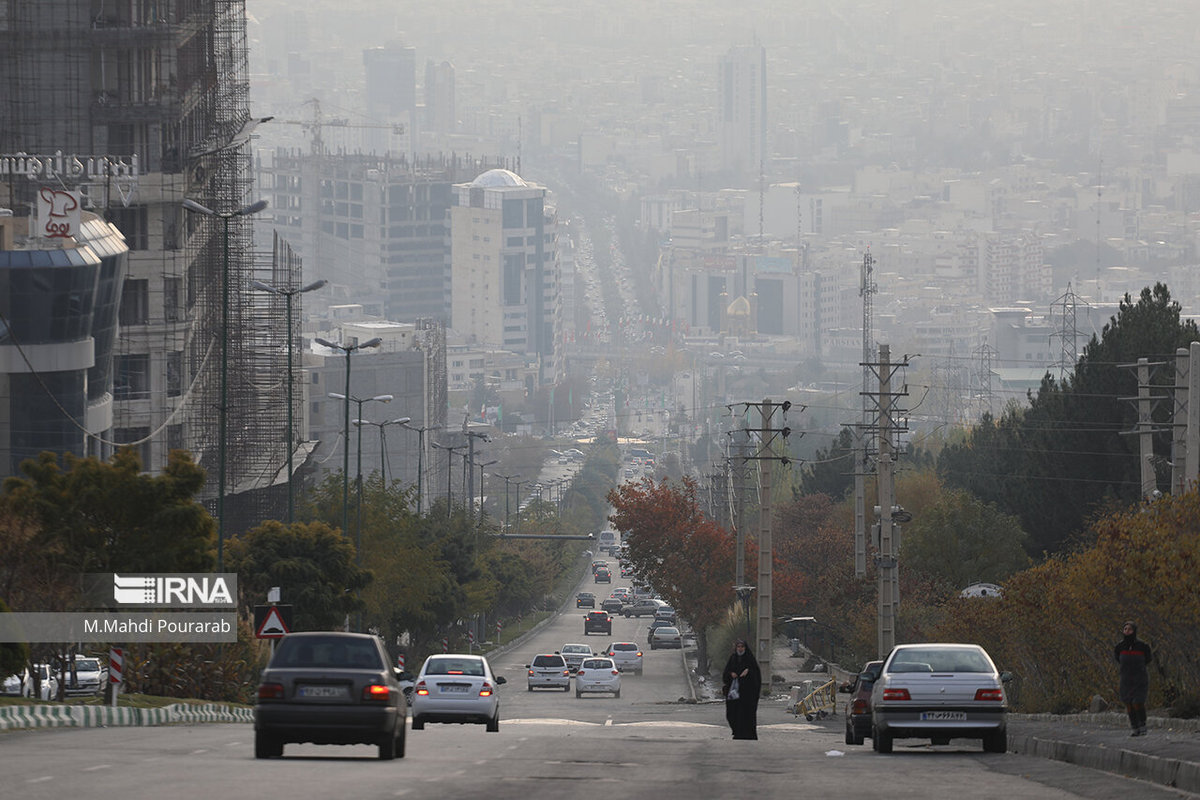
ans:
(1168, 755)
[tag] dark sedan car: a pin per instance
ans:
(585, 600)
(597, 622)
(330, 688)
(858, 704)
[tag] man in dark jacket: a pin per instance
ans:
(1133, 655)
(742, 683)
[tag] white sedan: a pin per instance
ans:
(456, 688)
(598, 675)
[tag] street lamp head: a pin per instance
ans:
(192, 205)
(312, 287)
(383, 398)
(400, 421)
(327, 343)
(337, 395)
(371, 343)
(253, 208)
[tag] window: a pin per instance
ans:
(171, 309)
(133, 377)
(133, 223)
(135, 302)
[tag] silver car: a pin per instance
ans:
(574, 654)
(939, 692)
(458, 689)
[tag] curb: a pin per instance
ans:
(1170, 772)
(21, 717)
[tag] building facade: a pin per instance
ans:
(504, 269)
(742, 112)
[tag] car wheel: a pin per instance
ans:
(881, 741)
(493, 724)
(418, 724)
(567, 688)
(849, 734)
(387, 748)
(996, 742)
(578, 693)
(400, 740)
(617, 694)
(266, 746)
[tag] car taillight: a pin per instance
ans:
(530, 672)
(639, 655)
(566, 672)
(616, 672)
(859, 707)
(485, 690)
(896, 694)
(422, 689)
(992, 695)
(581, 672)
(270, 691)
(376, 691)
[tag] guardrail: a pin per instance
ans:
(46, 716)
(815, 703)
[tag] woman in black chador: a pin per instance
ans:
(742, 683)
(1133, 655)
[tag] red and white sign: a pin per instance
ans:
(58, 213)
(273, 626)
(116, 665)
(445, 645)
(400, 661)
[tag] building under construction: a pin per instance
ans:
(161, 90)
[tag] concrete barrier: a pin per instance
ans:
(40, 716)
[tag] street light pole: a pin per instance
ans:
(449, 470)
(347, 349)
(288, 294)
(382, 442)
(382, 398)
(481, 466)
(223, 409)
(507, 478)
(421, 460)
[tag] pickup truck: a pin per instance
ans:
(642, 608)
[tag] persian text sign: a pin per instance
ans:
(68, 168)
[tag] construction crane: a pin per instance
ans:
(317, 123)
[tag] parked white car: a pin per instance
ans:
(49, 689)
(88, 676)
(598, 675)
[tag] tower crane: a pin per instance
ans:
(315, 125)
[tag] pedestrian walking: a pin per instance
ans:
(1134, 655)
(741, 685)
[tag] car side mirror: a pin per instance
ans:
(846, 688)
(1005, 677)
(500, 681)
(527, 666)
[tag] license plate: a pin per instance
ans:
(454, 689)
(321, 691)
(943, 716)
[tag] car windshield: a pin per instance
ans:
(548, 661)
(914, 659)
(597, 663)
(624, 647)
(576, 648)
(321, 651)
(668, 632)
(442, 665)
(87, 665)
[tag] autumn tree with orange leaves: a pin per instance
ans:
(683, 554)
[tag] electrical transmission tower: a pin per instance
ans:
(1066, 331)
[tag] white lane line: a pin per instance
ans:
(96, 767)
(41, 779)
(198, 752)
(608, 722)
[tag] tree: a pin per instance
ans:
(684, 555)
(831, 471)
(311, 563)
(1057, 463)
(111, 516)
(962, 540)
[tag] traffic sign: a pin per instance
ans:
(116, 662)
(272, 622)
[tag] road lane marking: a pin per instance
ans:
(96, 767)
(41, 779)
(608, 722)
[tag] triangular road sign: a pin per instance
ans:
(272, 625)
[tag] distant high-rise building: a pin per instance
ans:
(503, 267)
(742, 112)
(441, 116)
(391, 80)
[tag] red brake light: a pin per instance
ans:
(896, 694)
(422, 689)
(990, 695)
(566, 672)
(616, 672)
(270, 691)
(859, 707)
(485, 690)
(376, 691)
(581, 672)
(639, 654)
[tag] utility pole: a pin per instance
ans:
(1145, 425)
(1179, 421)
(766, 456)
(888, 511)
(1193, 416)
(471, 437)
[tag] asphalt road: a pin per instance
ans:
(647, 744)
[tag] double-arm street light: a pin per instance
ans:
(382, 442)
(288, 294)
(449, 471)
(223, 408)
(379, 398)
(507, 478)
(348, 349)
(421, 459)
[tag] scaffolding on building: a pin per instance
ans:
(166, 85)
